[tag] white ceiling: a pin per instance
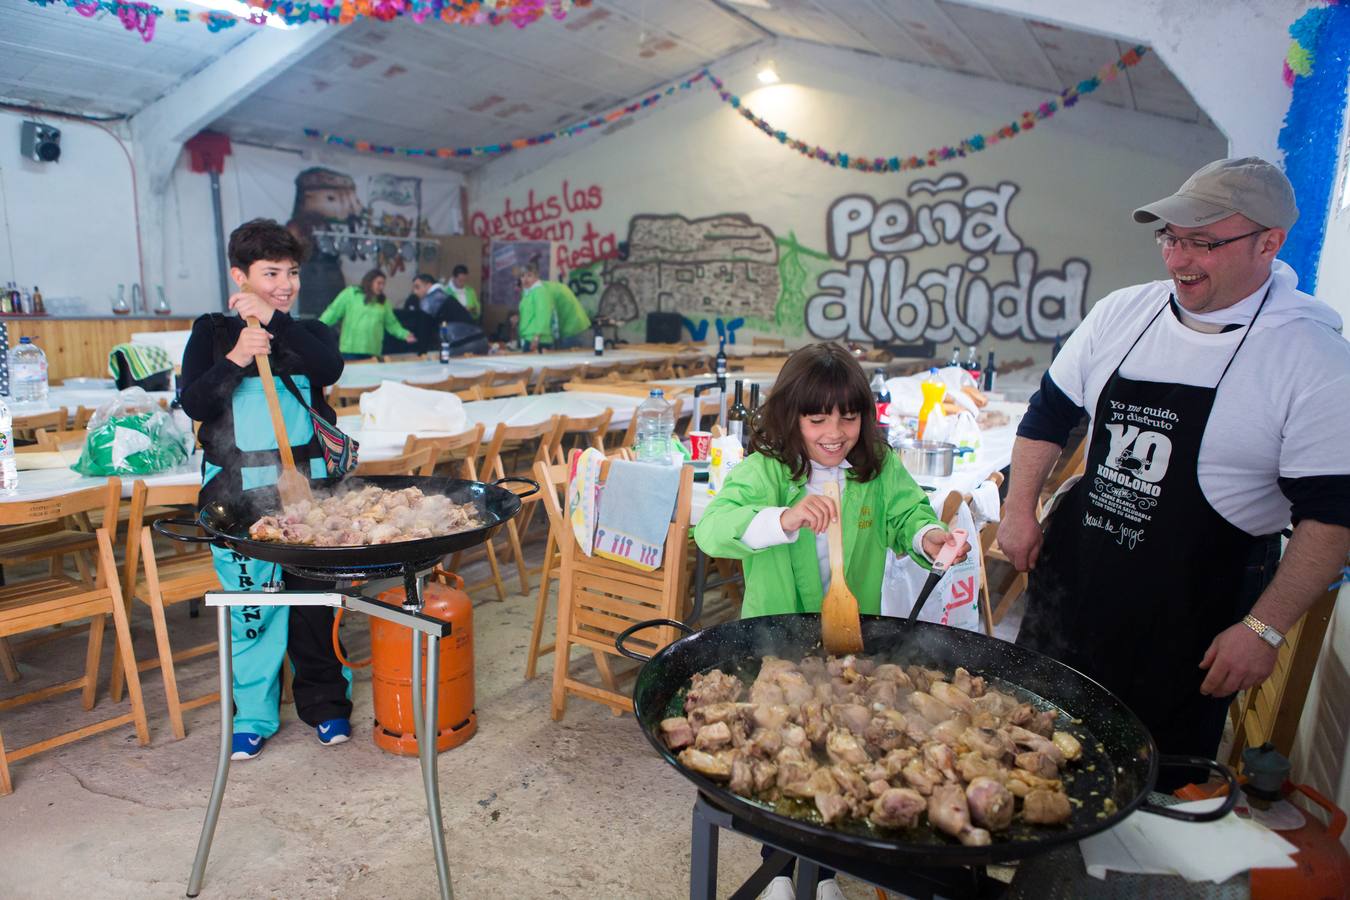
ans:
(432, 85)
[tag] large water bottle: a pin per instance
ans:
(9, 472)
(655, 425)
(27, 373)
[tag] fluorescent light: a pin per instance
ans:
(757, 4)
(241, 10)
(768, 75)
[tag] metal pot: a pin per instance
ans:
(931, 459)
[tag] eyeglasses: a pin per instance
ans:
(1169, 241)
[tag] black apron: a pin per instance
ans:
(1138, 573)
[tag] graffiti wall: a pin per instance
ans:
(728, 229)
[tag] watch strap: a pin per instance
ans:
(1267, 634)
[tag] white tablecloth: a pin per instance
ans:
(430, 371)
(73, 397)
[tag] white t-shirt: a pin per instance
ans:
(1280, 412)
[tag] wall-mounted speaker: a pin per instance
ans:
(39, 142)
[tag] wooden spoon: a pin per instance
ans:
(292, 487)
(840, 625)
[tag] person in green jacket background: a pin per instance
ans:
(364, 314)
(550, 313)
(817, 425)
(461, 290)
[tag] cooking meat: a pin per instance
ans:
(898, 808)
(948, 811)
(366, 515)
(862, 741)
(1045, 808)
(712, 687)
(991, 805)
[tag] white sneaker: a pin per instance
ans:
(779, 889)
(829, 890)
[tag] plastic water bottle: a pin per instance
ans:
(9, 471)
(27, 373)
(655, 425)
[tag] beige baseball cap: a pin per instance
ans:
(1250, 186)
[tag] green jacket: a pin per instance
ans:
(881, 514)
(572, 318)
(537, 314)
(363, 324)
(470, 301)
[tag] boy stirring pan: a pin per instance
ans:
(222, 390)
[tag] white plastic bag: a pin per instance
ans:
(955, 600)
(401, 407)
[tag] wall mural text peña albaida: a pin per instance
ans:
(880, 299)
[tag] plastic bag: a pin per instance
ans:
(955, 600)
(132, 435)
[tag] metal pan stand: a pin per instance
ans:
(424, 714)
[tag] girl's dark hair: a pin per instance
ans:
(818, 379)
(264, 239)
(367, 286)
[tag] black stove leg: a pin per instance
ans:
(703, 857)
(808, 873)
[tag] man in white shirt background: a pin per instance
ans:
(1217, 402)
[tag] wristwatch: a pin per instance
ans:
(1268, 634)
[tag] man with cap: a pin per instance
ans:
(1217, 404)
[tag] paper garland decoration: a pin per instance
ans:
(1316, 68)
(142, 17)
(974, 144)
(507, 146)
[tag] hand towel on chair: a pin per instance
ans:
(143, 360)
(635, 511)
(399, 407)
(583, 494)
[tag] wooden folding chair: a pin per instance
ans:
(1270, 712)
(419, 462)
(343, 398)
(598, 598)
(1072, 461)
(508, 376)
(593, 428)
(160, 581)
(450, 449)
(518, 388)
(45, 602)
(494, 468)
(551, 378)
(27, 427)
(81, 417)
(452, 384)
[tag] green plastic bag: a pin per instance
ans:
(132, 435)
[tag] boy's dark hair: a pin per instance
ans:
(532, 267)
(814, 380)
(425, 278)
(459, 270)
(368, 286)
(264, 239)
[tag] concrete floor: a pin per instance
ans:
(534, 808)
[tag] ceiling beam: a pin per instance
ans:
(160, 129)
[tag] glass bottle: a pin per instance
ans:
(119, 306)
(161, 302)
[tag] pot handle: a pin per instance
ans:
(649, 623)
(1213, 815)
(161, 527)
(534, 485)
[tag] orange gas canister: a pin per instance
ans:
(391, 670)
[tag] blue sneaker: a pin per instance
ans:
(334, 731)
(247, 745)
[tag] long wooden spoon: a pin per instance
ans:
(840, 624)
(292, 487)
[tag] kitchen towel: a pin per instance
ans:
(143, 360)
(399, 407)
(583, 495)
(1197, 851)
(635, 511)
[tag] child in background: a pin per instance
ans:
(817, 425)
(364, 314)
(222, 390)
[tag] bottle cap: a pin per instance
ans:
(657, 392)
(25, 340)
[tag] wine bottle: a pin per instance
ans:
(445, 344)
(956, 356)
(722, 360)
(989, 373)
(738, 416)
